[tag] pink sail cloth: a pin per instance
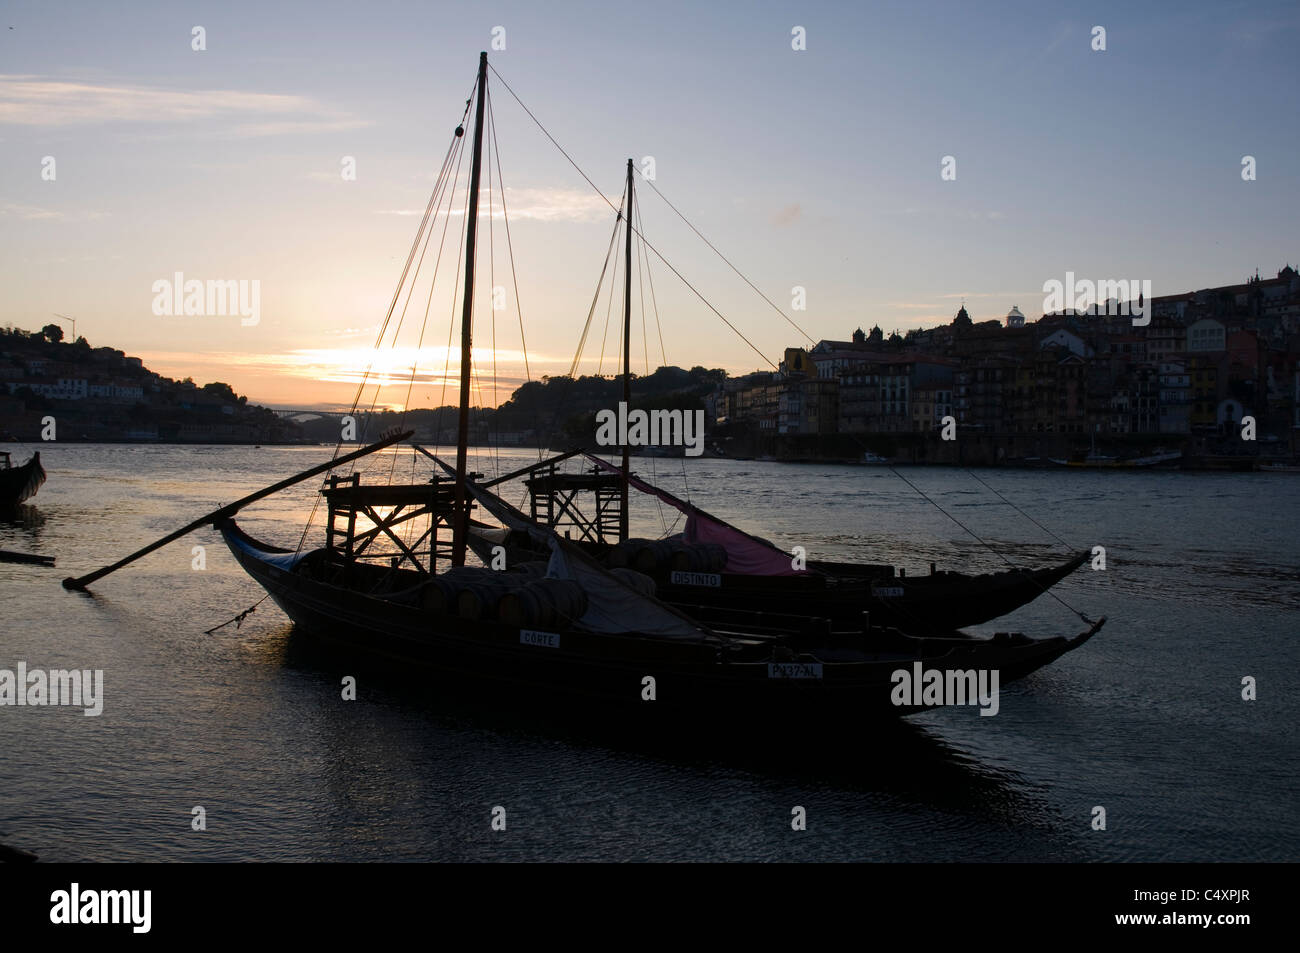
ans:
(746, 555)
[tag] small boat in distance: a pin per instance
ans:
(1098, 461)
(19, 483)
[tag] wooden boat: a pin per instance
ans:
(1095, 461)
(569, 629)
(713, 566)
(839, 591)
(19, 483)
(657, 665)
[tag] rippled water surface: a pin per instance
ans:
(1147, 720)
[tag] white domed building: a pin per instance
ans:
(1014, 318)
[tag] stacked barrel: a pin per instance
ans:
(523, 597)
(656, 557)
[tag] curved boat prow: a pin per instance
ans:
(1082, 637)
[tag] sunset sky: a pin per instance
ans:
(817, 168)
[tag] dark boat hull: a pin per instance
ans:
(843, 592)
(18, 484)
(691, 679)
(917, 604)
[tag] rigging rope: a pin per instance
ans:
(650, 278)
(990, 547)
(609, 304)
(1021, 512)
(648, 245)
(452, 149)
(789, 320)
(595, 298)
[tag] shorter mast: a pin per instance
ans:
(627, 354)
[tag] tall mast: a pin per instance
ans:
(460, 529)
(627, 351)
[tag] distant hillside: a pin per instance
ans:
(550, 411)
(102, 394)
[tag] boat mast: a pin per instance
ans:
(460, 529)
(627, 352)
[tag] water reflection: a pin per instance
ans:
(884, 765)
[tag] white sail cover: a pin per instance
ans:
(612, 605)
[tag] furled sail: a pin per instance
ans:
(746, 555)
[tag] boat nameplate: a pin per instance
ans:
(887, 592)
(550, 640)
(794, 669)
(712, 579)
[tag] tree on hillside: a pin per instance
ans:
(222, 390)
(53, 333)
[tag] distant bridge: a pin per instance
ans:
(290, 412)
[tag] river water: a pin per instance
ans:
(1147, 720)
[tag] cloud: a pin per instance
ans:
(37, 101)
(299, 376)
(952, 214)
(29, 212)
(542, 205)
(388, 366)
(35, 213)
(788, 215)
(992, 294)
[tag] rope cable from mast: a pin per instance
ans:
(453, 152)
(789, 320)
(991, 548)
(609, 304)
(1020, 511)
(650, 247)
(595, 298)
(514, 275)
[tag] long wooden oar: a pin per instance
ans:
(232, 508)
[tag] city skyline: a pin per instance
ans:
(817, 168)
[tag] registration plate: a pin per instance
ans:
(794, 669)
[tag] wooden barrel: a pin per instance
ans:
(699, 557)
(654, 557)
(478, 599)
(543, 604)
(567, 598)
(439, 595)
(715, 556)
(625, 553)
(525, 607)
